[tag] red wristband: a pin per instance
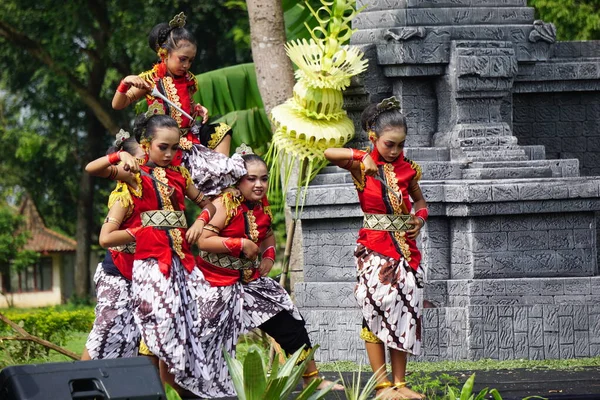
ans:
(115, 158)
(269, 253)
(234, 245)
(422, 213)
(123, 87)
(204, 216)
(359, 155)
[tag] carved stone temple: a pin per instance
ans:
(505, 122)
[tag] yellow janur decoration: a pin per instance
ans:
(313, 119)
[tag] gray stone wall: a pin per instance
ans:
(567, 124)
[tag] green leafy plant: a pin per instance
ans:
(353, 390)
(49, 324)
(466, 392)
(252, 381)
(171, 393)
(433, 386)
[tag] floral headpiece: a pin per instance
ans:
(387, 104)
(178, 21)
(244, 149)
(155, 109)
(122, 136)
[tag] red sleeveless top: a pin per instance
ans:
(375, 199)
(246, 220)
(161, 244)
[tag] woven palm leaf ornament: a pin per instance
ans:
(313, 119)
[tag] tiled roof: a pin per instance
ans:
(46, 240)
(42, 238)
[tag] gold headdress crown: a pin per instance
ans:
(244, 149)
(178, 21)
(155, 109)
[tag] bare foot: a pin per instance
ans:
(324, 383)
(409, 394)
(389, 393)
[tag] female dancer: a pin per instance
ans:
(389, 282)
(211, 171)
(241, 296)
(114, 333)
(165, 282)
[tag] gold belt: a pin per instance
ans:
(164, 219)
(387, 222)
(128, 248)
(227, 261)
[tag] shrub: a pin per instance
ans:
(47, 323)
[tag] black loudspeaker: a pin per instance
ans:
(118, 379)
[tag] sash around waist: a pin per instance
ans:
(387, 222)
(228, 261)
(164, 219)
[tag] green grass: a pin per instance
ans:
(485, 365)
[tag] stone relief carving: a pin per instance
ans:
(542, 31)
(406, 33)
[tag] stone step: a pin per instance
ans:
(535, 152)
(507, 173)
(332, 179)
(560, 168)
(378, 5)
(488, 141)
(443, 16)
(497, 157)
(507, 148)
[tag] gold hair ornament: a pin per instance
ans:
(155, 109)
(387, 104)
(244, 149)
(121, 137)
(162, 53)
(372, 135)
(178, 21)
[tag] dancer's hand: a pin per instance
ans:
(193, 233)
(265, 266)
(201, 111)
(370, 166)
(136, 81)
(417, 224)
(250, 249)
(130, 163)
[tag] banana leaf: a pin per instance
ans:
(296, 14)
(232, 93)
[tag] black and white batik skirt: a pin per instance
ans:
(212, 171)
(390, 295)
(114, 333)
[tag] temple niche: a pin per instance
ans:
(505, 122)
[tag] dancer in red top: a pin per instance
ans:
(390, 278)
(211, 171)
(165, 282)
(238, 251)
(114, 332)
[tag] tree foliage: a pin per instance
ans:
(59, 66)
(574, 19)
(12, 240)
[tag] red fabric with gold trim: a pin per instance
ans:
(157, 243)
(372, 201)
(238, 227)
(124, 261)
(185, 87)
(218, 276)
